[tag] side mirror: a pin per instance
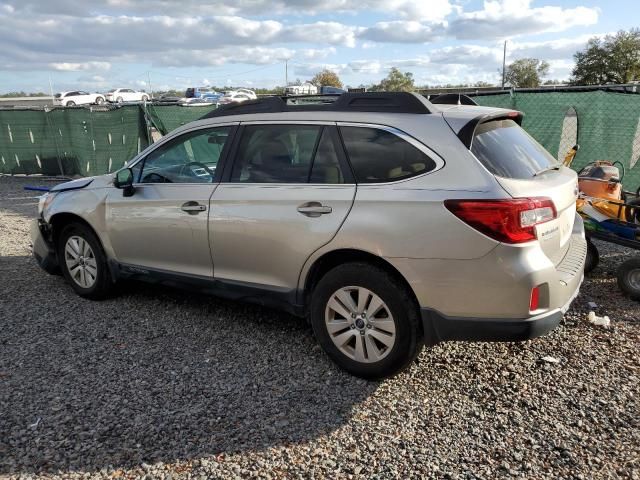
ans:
(124, 181)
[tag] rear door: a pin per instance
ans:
(525, 169)
(287, 193)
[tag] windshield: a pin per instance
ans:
(508, 151)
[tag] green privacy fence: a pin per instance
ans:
(70, 141)
(169, 117)
(83, 141)
(606, 125)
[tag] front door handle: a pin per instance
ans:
(314, 209)
(193, 208)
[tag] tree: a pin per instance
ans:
(396, 81)
(526, 72)
(326, 78)
(612, 59)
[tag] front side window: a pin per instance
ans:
(190, 158)
(378, 155)
(287, 154)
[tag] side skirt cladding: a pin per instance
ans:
(265, 295)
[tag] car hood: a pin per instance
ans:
(94, 182)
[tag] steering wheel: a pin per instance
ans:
(196, 164)
(154, 177)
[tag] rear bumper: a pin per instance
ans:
(438, 327)
(43, 251)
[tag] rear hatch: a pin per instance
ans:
(525, 169)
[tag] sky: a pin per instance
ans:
(96, 45)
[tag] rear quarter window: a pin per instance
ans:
(378, 155)
(506, 150)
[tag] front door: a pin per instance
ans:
(163, 226)
(288, 193)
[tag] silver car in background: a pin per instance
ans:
(389, 221)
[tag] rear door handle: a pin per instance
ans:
(314, 209)
(193, 208)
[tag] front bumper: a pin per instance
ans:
(43, 251)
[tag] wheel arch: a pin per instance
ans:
(329, 260)
(62, 219)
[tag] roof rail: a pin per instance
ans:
(452, 99)
(388, 102)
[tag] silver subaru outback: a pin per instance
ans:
(387, 220)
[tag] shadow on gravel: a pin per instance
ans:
(152, 375)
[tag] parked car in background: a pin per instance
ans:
(207, 93)
(237, 96)
(328, 90)
(119, 95)
(77, 97)
(304, 89)
(387, 220)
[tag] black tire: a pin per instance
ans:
(408, 340)
(632, 211)
(145, 98)
(103, 285)
(99, 100)
(629, 278)
(593, 257)
(71, 104)
(119, 99)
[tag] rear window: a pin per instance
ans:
(506, 150)
(378, 155)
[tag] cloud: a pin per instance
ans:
(434, 11)
(510, 18)
(560, 48)
(77, 67)
(401, 31)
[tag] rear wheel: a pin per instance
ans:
(593, 257)
(119, 99)
(629, 278)
(83, 262)
(99, 100)
(365, 320)
(145, 98)
(71, 104)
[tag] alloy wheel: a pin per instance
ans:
(81, 261)
(360, 324)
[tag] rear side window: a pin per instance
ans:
(378, 155)
(286, 154)
(506, 150)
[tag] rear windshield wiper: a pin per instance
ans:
(548, 169)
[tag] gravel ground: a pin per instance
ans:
(159, 383)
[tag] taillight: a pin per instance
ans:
(534, 301)
(509, 221)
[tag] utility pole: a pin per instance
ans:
(50, 88)
(504, 60)
(149, 82)
(286, 73)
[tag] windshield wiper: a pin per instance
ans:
(548, 169)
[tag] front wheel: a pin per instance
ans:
(99, 101)
(366, 321)
(629, 278)
(119, 99)
(83, 262)
(71, 104)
